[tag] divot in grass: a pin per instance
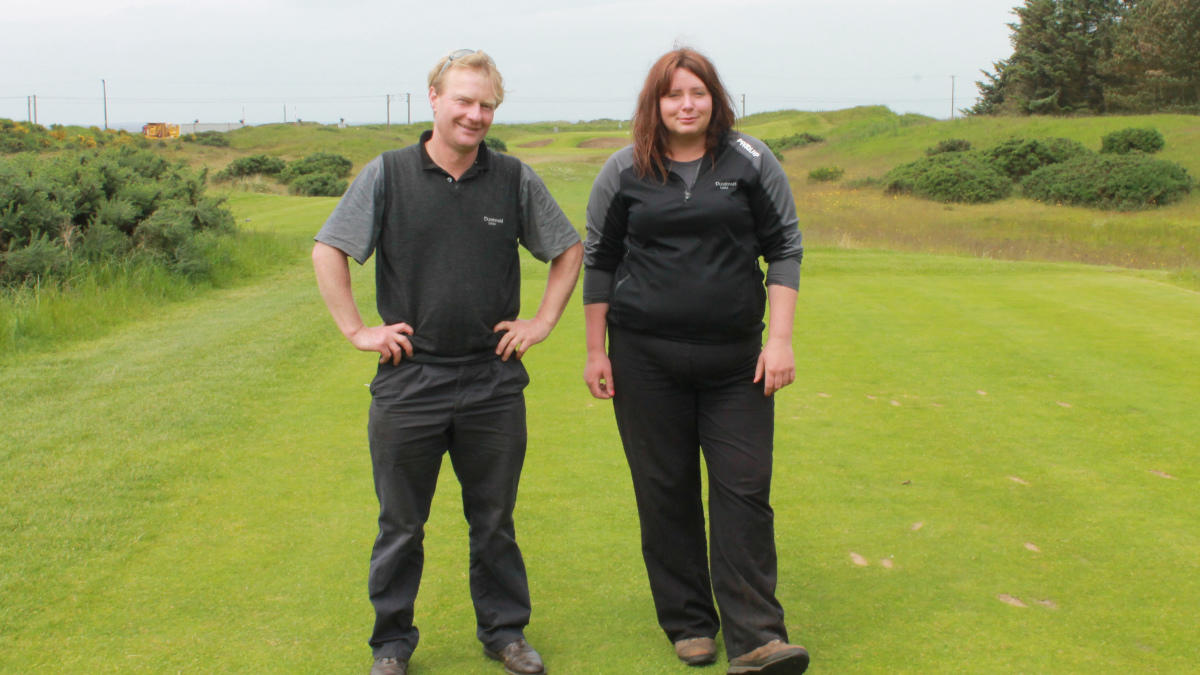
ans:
(859, 560)
(1162, 474)
(1010, 600)
(1018, 480)
(1032, 547)
(917, 526)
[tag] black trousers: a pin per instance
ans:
(675, 400)
(475, 412)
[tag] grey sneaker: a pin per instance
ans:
(775, 658)
(389, 665)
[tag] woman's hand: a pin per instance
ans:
(776, 367)
(597, 373)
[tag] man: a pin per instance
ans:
(444, 217)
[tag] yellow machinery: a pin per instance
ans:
(160, 130)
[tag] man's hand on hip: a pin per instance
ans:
(390, 341)
(520, 335)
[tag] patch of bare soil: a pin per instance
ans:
(536, 144)
(605, 142)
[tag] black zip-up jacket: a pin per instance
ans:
(682, 263)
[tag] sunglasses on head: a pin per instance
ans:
(457, 54)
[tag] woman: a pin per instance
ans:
(676, 224)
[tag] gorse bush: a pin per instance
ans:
(1122, 182)
(318, 162)
(1128, 140)
(317, 175)
(495, 144)
(97, 205)
(949, 145)
(253, 165)
(1054, 170)
(778, 145)
(966, 177)
(826, 173)
(318, 185)
(214, 138)
(28, 137)
(1018, 157)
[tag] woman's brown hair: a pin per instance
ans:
(649, 133)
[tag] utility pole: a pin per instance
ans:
(743, 105)
(104, 86)
(285, 113)
(408, 100)
(389, 110)
(951, 97)
(35, 108)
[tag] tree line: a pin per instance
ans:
(1097, 56)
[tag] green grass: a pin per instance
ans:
(191, 491)
(187, 485)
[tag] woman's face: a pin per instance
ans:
(686, 108)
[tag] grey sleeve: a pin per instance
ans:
(779, 235)
(605, 244)
(545, 230)
(354, 225)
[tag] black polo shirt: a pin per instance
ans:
(446, 259)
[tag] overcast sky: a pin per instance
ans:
(264, 60)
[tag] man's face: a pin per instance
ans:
(462, 113)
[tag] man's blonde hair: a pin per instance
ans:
(478, 60)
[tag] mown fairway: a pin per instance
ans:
(984, 466)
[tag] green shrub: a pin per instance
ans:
(778, 145)
(495, 144)
(100, 205)
(949, 145)
(41, 258)
(318, 162)
(1121, 182)
(213, 138)
(265, 165)
(318, 185)
(965, 177)
(21, 137)
(1146, 140)
(1018, 157)
(825, 174)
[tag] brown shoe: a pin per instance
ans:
(776, 658)
(699, 651)
(388, 665)
(518, 658)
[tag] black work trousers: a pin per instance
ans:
(475, 412)
(674, 401)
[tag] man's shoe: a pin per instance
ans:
(389, 665)
(699, 651)
(518, 658)
(776, 658)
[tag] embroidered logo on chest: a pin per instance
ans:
(726, 185)
(492, 222)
